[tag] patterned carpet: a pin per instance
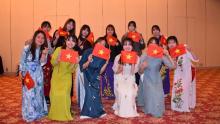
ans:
(207, 109)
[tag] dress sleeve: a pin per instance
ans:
(84, 58)
(190, 56)
(24, 56)
(137, 65)
(115, 66)
(167, 62)
(55, 56)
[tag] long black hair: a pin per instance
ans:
(33, 45)
(73, 31)
(114, 32)
(84, 27)
(132, 23)
(155, 27)
(45, 24)
(152, 39)
(101, 39)
(74, 39)
(173, 38)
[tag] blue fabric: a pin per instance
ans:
(33, 101)
(92, 106)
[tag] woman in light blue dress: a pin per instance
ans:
(34, 56)
(151, 95)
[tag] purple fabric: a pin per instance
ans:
(107, 82)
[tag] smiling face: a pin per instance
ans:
(46, 29)
(127, 46)
(85, 32)
(70, 43)
(69, 26)
(40, 39)
(156, 32)
(131, 27)
(110, 31)
(172, 43)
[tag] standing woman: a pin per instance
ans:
(82, 45)
(151, 95)
(125, 86)
(107, 80)
(47, 68)
(165, 72)
(92, 67)
(138, 46)
(61, 83)
(34, 56)
(184, 88)
(69, 26)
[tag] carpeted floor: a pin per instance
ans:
(207, 108)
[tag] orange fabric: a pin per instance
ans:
(154, 50)
(69, 56)
(177, 51)
(101, 52)
(163, 40)
(62, 32)
(90, 38)
(28, 81)
(129, 57)
(111, 40)
(135, 36)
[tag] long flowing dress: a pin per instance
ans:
(151, 95)
(126, 90)
(92, 106)
(107, 78)
(184, 88)
(61, 83)
(80, 90)
(33, 101)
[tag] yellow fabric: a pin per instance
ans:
(60, 89)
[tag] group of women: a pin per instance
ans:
(143, 84)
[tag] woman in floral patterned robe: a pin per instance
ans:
(33, 58)
(183, 91)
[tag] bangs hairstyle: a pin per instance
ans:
(128, 40)
(132, 23)
(172, 38)
(71, 37)
(84, 27)
(110, 26)
(33, 45)
(101, 39)
(155, 27)
(45, 24)
(73, 31)
(153, 39)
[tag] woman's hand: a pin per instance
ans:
(165, 52)
(120, 69)
(45, 51)
(90, 58)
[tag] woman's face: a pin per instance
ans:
(46, 29)
(40, 39)
(153, 42)
(110, 31)
(70, 44)
(102, 42)
(127, 46)
(131, 27)
(85, 32)
(155, 32)
(69, 26)
(172, 44)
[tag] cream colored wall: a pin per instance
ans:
(195, 22)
